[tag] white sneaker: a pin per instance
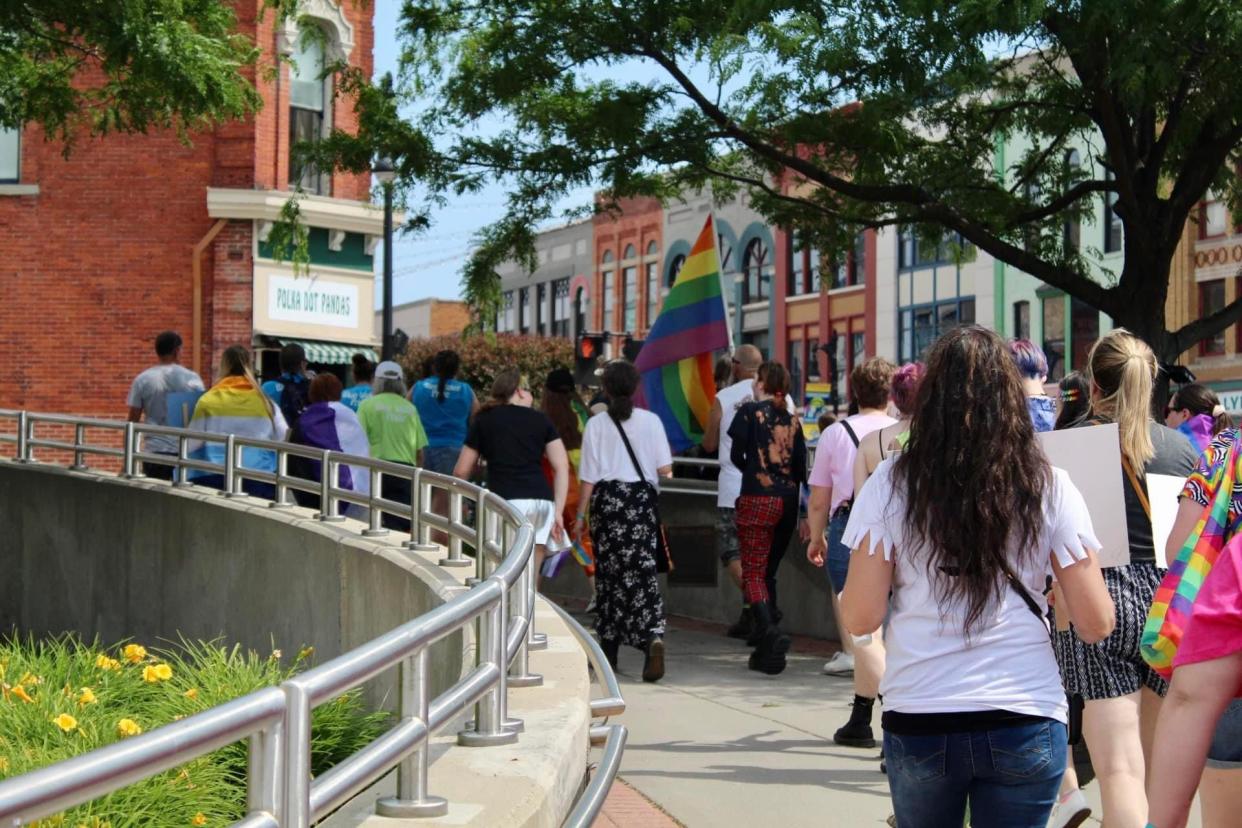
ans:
(1070, 812)
(841, 664)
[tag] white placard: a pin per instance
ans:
(1162, 492)
(1092, 458)
(312, 300)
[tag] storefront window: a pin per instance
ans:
(797, 267)
(1022, 320)
(1212, 299)
(1054, 336)
(10, 155)
(1084, 331)
(524, 310)
(756, 267)
(629, 298)
(560, 308)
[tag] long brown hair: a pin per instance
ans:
(1123, 370)
(973, 473)
(504, 387)
(776, 383)
(558, 405)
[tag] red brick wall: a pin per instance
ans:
(99, 261)
(640, 221)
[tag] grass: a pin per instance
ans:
(61, 697)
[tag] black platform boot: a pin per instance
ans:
(857, 731)
(769, 654)
(744, 625)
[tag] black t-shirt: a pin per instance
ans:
(769, 449)
(512, 439)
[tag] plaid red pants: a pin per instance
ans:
(765, 525)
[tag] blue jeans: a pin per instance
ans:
(440, 459)
(837, 561)
(1010, 775)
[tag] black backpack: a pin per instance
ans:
(294, 397)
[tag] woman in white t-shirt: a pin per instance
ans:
(624, 453)
(963, 529)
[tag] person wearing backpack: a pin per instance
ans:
(291, 391)
(832, 493)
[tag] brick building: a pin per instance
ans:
(427, 317)
(132, 235)
(628, 251)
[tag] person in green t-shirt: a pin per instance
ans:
(394, 432)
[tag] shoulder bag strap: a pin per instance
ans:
(630, 449)
(850, 431)
(1138, 489)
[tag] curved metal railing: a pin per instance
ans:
(277, 720)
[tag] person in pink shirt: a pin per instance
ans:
(832, 494)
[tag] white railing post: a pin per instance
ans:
(181, 474)
(79, 440)
(327, 482)
(375, 515)
(489, 726)
(412, 799)
(297, 759)
(281, 499)
(23, 438)
(418, 541)
(264, 789)
(455, 557)
(231, 487)
(127, 454)
(519, 670)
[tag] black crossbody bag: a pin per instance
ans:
(1075, 701)
(664, 554)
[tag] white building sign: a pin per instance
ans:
(312, 301)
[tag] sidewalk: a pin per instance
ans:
(716, 745)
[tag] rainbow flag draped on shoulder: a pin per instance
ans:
(676, 360)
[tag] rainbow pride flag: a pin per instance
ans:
(676, 360)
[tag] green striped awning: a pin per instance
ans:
(331, 353)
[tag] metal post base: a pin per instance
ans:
(460, 563)
(79, 467)
(374, 533)
(320, 516)
(230, 495)
(415, 546)
(530, 680)
(282, 504)
(431, 806)
(472, 581)
(538, 641)
(472, 738)
(516, 725)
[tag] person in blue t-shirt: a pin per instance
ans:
(291, 391)
(445, 406)
(364, 375)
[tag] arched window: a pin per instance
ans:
(607, 256)
(310, 96)
(1073, 233)
(630, 252)
(652, 248)
(756, 267)
(674, 267)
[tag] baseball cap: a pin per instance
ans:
(560, 380)
(389, 370)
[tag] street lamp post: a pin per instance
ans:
(385, 173)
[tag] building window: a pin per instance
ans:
(308, 103)
(1212, 299)
(918, 327)
(629, 298)
(1112, 222)
(797, 266)
(630, 252)
(757, 271)
(653, 291)
(852, 271)
(1071, 233)
(1084, 331)
(1022, 320)
(10, 156)
(674, 268)
(523, 310)
(609, 301)
(1054, 336)
(560, 308)
(812, 359)
(914, 252)
(580, 311)
(1214, 220)
(541, 308)
(504, 319)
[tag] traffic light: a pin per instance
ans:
(631, 347)
(587, 351)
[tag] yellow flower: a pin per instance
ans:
(21, 693)
(199, 819)
(105, 663)
(305, 653)
(87, 697)
(4, 764)
(153, 673)
(276, 654)
(192, 693)
(127, 727)
(66, 722)
(30, 679)
(134, 653)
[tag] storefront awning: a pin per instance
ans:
(330, 353)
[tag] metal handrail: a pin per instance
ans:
(277, 721)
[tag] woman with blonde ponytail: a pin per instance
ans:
(1122, 693)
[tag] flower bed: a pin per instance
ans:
(60, 698)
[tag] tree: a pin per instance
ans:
(100, 67)
(483, 357)
(889, 109)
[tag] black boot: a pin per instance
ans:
(769, 654)
(857, 731)
(752, 640)
(744, 626)
(610, 648)
(653, 664)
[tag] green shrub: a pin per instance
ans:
(60, 698)
(484, 356)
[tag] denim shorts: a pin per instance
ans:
(837, 561)
(726, 536)
(1010, 774)
(1226, 749)
(440, 459)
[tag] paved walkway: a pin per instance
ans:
(715, 744)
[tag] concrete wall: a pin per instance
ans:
(117, 559)
(802, 589)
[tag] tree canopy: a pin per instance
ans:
(75, 66)
(890, 110)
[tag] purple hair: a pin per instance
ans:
(905, 386)
(1029, 357)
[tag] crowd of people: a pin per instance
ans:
(978, 614)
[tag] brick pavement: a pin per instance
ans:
(627, 808)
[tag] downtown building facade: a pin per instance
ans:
(131, 235)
